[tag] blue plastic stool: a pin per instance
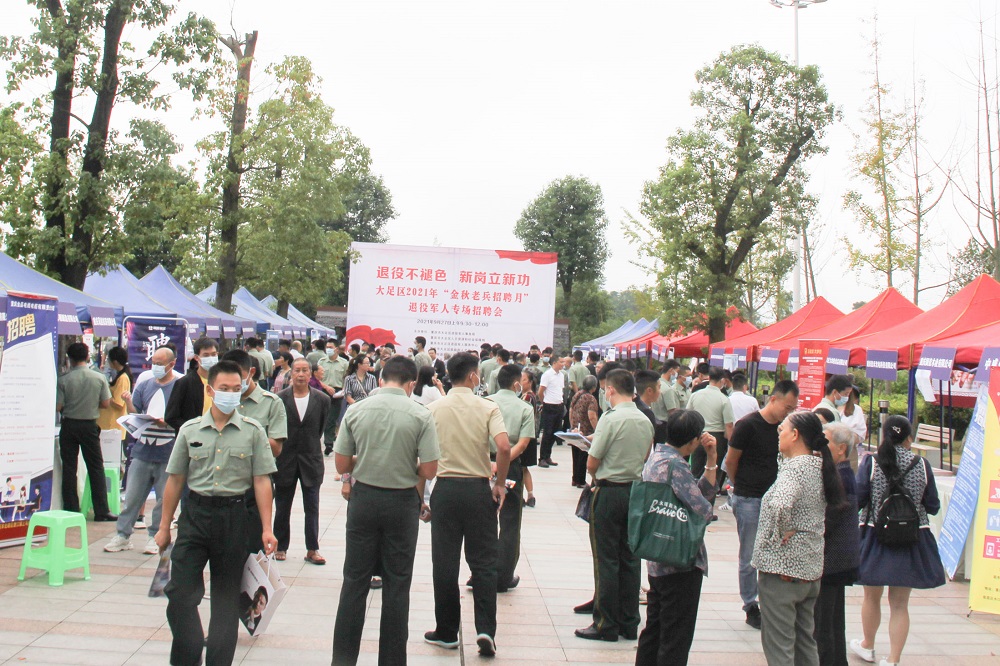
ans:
(112, 478)
(55, 557)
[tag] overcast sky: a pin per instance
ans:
(471, 108)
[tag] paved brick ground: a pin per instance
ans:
(109, 620)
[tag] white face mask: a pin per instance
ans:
(226, 401)
(159, 371)
(208, 362)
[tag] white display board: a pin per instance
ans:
(456, 298)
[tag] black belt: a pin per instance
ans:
(408, 489)
(66, 418)
(601, 483)
(215, 500)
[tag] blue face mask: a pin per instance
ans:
(688, 380)
(841, 401)
(226, 401)
(159, 371)
(244, 385)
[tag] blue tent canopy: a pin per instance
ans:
(105, 316)
(120, 284)
(593, 344)
(162, 285)
(636, 330)
(295, 315)
(248, 306)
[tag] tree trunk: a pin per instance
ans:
(94, 155)
(62, 106)
(282, 308)
(717, 328)
(229, 226)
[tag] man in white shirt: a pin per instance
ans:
(550, 391)
(743, 403)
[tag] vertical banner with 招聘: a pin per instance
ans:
(965, 495)
(455, 298)
(984, 589)
(143, 338)
(27, 411)
(812, 372)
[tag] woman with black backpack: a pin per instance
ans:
(896, 493)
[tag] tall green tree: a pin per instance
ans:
(568, 218)
(881, 148)
(713, 202)
(79, 50)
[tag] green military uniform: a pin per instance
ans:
(315, 356)
(577, 373)
(717, 409)
(667, 402)
(683, 394)
(486, 369)
(219, 467)
(266, 409)
(621, 442)
(334, 371)
(390, 434)
(79, 392)
(266, 364)
(519, 419)
(491, 383)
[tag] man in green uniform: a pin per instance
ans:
(266, 409)
(519, 419)
(389, 444)
(668, 400)
(334, 369)
(219, 456)
(683, 385)
(501, 359)
(486, 368)
(79, 395)
(621, 444)
(577, 372)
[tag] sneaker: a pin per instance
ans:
(487, 646)
(117, 544)
(753, 616)
(140, 524)
(433, 638)
(886, 662)
(868, 654)
(151, 547)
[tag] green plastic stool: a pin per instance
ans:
(113, 480)
(55, 557)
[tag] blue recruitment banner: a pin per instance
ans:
(880, 364)
(769, 359)
(144, 337)
(990, 359)
(741, 357)
(718, 357)
(836, 361)
(27, 411)
(939, 360)
(965, 496)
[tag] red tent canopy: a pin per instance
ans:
(969, 345)
(642, 340)
(816, 313)
(695, 344)
(976, 305)
(886, 310)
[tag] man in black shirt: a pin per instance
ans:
(752, 464)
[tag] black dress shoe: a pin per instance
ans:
(584, 609)
(106, 518)
(552, 463)
(591, 633)
(629, 634)
(543, 463)
(511, 585)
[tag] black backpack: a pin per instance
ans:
(897, 522)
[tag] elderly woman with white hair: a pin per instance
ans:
(841, 553)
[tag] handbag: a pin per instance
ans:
(261, 590)
(583, 504)
(660, 528)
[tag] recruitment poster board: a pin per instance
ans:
(812, 372)
(143, 337)
(965, 496)
(27, 411)
(456, 298)
(984, 589)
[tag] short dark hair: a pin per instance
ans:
(223, 367)
(683, 425)
(287, 357)
(739, 381)
(827, 415)
(608, 367)
(503, 355)
(420, 340)
(533, 357)
(460, 366)
(594, 357)
(78, 352)
(239, 357)
(668, 365)
(838, 383)
(320, 344)
(284, 342)
(250, 342)
(577, 355)
(202, 344)
(400, 370)
(389, 345)
(645, 379)
(356, 348)
(622, 381)
(715, 373)
(703, 368)
(508, 374)
(785, 387)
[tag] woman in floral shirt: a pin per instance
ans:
(788, 552)
(672, 600)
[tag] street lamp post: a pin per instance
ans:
(796, 5)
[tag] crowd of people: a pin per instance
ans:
(451, 440)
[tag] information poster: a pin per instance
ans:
(812, 372)
(143, 338)
(984, 590)
(456, 298)
(27, 411)
(965, 495)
